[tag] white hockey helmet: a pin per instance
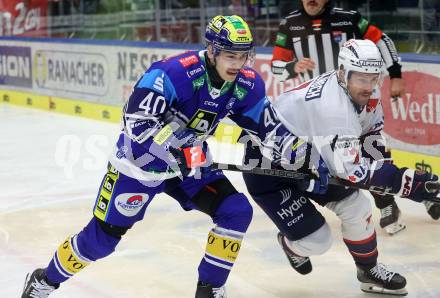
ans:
(360, 55)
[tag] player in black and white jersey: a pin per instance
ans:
(308, 43)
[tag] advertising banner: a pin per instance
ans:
(72, 72)
(23, 18)
(105, 74)
(412, 122)
(15, 66)
(93, 73)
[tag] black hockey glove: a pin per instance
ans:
(412, 185)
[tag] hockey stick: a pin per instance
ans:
(431, 186)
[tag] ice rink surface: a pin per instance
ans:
(50, 169)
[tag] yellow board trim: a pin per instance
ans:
(68, 259)
(226, 133)
(221, 247)
(417, 161)
(62, 105)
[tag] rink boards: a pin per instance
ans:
(93, 79)
(227, 133)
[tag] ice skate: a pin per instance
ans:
(36, 285)
(208, 291)
(433, 209)
(300, 264)
(381, 281)
(390, 219)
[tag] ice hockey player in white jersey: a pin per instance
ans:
(340, 114)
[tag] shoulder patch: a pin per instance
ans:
(363, 25)
(239, 92)
(281, 39)
(248, 73)
(198, 83)
(188, 61)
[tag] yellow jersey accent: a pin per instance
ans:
(163, 135)
(62, 105)
(105, 194)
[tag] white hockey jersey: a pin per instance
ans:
(321, 112)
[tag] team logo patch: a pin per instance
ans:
(188, 61)
(202, 121)
(239, 92)
(198, 83)
(129, 204)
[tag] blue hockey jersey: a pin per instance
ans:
(178, 91)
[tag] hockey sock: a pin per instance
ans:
(224, 241)
(364, 251)
(78, 251)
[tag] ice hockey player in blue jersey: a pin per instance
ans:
(340, 114)
(174, 106)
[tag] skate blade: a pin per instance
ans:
(395, 228)
(372, 288)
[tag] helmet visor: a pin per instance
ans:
(366, 80)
